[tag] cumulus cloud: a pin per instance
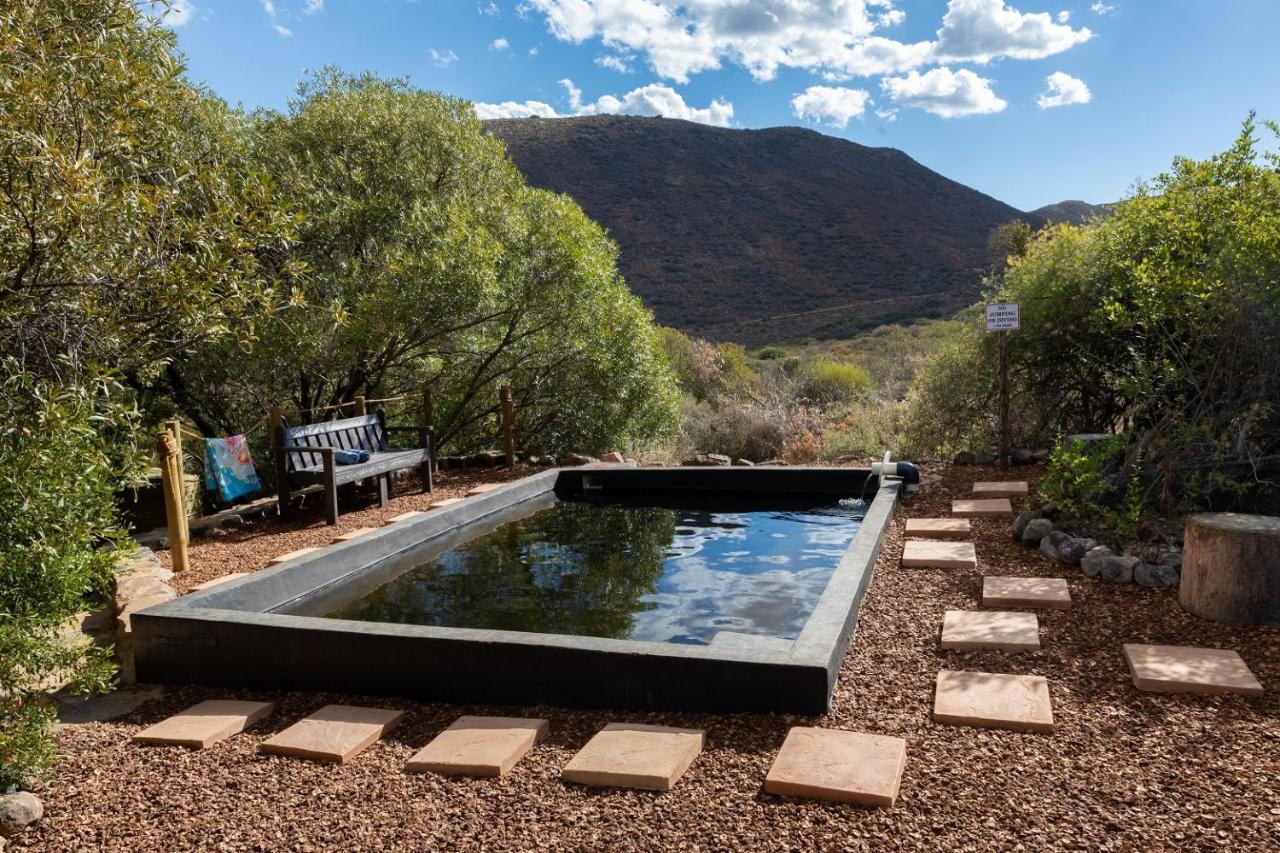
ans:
(176, 14)
(282, 31)
(944, 92)
(499, 44)
(489, 10)
(614, 63)
(833, 105)
(651, 100)
(1100, 8)
(442, 59)
(983, 30)
(1063, 89)
(313, 6)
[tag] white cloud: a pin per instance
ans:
(891, 18)
(533, 51)
(651, 100)
(833, 105)
(269, 8)
(499, 44)
(442, 59)
(983, 30)
(888, 115)
(1063, 89)
(1100, 8)
(1063, 16)
(944, 92)
(614, 63)
(313, 6)
(283, 32)
(489, 10)
(176, 13)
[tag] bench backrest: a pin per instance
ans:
(366, 432)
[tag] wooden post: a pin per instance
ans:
(361, 409)
(1003, 343)
(508, 425)
(428, 409)
(175, 513)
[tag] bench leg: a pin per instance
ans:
(284, 496)
(330, 491)
(384, 489)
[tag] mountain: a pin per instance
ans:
(1073, 211)
(765, 235)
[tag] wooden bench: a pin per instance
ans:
(304, 456)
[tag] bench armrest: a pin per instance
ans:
(323, 451)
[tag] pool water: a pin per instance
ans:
(677, 573)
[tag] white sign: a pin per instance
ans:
(1003, 317)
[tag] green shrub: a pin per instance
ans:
(829, 382)
(771, 353)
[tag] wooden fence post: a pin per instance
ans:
(508, 425)
(428, 409)
(175, 512)
(361, 409)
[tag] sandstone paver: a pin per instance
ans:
(1190, 669)
(993, 700)
(205, 723)
(635, 755)
(478, 746)
(334, 733)
(999, 630)
(1041, 593)
(830, 764)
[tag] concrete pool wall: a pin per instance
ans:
(235, 634)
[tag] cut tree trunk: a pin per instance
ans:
(1231, 568)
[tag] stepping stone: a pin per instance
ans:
(478, 746)
(635, 755)
(404, 516)
(205, 723)
(981, 508)
(445, 502)
(1042, 593)
(354, 534)
(993, 701)
(937, 528)
(200, 587)
(334, 733)
(484, 489)
(1000, 489)
(999, 630)
(921, 553)
(829, 764)
(292, 555)
(1189, 669)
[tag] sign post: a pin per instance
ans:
(1003, 318)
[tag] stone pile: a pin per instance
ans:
(1145, 565)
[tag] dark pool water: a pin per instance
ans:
(676, 574)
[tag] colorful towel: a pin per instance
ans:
(228, 467)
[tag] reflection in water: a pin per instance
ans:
(667, 574)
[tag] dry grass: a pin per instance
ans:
(1125, 770)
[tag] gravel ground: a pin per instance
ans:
(1125, 770)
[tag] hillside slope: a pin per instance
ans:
(1073, 211)
(766, 235)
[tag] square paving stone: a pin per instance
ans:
(201, 587)
(354, 534)
(1041, 593)
(938, 528)
(205, 723)
(485, 488)
(478, 746)
(404, 516)
(334, 733)
(444, 502)
(993, 701)
(922, 553)
(990, 629)
(829, 764)
(1000, 489)
(1189, 669)
(635, 755)
(292, 555)
(981, 508)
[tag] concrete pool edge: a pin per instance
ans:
(223, 636)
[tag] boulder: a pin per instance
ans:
(1036, 529)
(18, 811)
(1119, 569)
(1020, 524)
(1171, 558)
(745, 463)
(1155, 576)
(1049, 544)
(1091, 563)
(613, 456)
(1040, 456)
(1022, 456)
(488, 458)
(985, 459)
(578, 459)
(706, 460)
(965, 458)
(1073, 549)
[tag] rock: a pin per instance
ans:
(1091, 563)
(1156, 576)
(1049, 544)
(613, 456)
(211, 532)
(18, 811)
(1119, 569)
(233, 521)
(773, 462)
(1020, 524)
(578, 459)
(965, 458)
(488, 458)
(744, 463)
(985, 459)
(1171, 558)
(1022, 456)
(1036, 529)
(1049, 511)
(1073, 549)
(706, 460)
(1040, 456)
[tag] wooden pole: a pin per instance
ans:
(508, 425)
(361, 409)
(428, 409)
(1003, 342)
(171, 480)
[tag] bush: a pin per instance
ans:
(831, 382)
(771, 353)
(1088, 484)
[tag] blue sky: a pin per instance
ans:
(1027, 100)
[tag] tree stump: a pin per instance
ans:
(1231, 568)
